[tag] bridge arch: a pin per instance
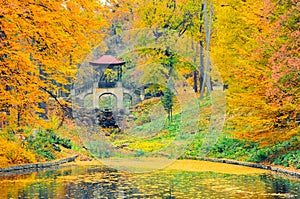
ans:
(111, 103)
(117, 93)
(108, 100)
(107, 93)
(89, 92)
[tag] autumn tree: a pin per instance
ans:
(42, 44)
(181, 17)
(237, 27)
(282, 50)
(254, 47)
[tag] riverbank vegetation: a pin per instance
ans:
(253, 45)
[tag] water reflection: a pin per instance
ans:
(100, 182)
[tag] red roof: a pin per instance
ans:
(107, 60)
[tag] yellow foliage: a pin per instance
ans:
(237, 51)
(147, 146)
(13, 153)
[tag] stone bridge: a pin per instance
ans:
(118, 92)
(102, 84)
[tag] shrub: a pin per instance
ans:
(292, 158)
(14, 153)
(260, 155)
(232, 148)
(45, 143)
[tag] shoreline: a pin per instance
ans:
(35, 167)
(249, 164)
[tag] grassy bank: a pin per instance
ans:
(285, 153)
(34, 146)
(146, 133)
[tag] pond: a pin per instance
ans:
(182, 179)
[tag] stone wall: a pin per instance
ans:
(37, 166)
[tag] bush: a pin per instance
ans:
(282, 153)
(46, 143)
(14, 153)
(233, 148)
(260, 155)
(292, 158)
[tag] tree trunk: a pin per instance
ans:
(195, 71)
(201, 67)
(209, 81)
(207, 68)
(195, 81)
(201, 77)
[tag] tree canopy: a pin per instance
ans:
(42, 44)
(254, 44)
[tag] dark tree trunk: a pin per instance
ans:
(201, 67)
(195, 81)
(195, 86)
(201, 77)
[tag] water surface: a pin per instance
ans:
(183, 179)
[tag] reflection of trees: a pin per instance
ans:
(27, 186)
(104, 183)
(278, 185)
(98, 181)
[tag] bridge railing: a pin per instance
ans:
(85, 87)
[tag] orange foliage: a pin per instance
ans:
(41, 45)
(255, 49)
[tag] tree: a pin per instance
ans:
(234, 47)
(282, 50)
(254, 47)
(167, 101)
(163, 17)
(42, 44)
(207, 68)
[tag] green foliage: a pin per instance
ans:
(233, 148)
(170, 129)
(292, 158)
(46, 143)
(260, 155)
(195, 146)
(282, 153)
(155, 137)
(167, 101)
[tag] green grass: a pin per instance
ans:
(285, 153)
(154, 138)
